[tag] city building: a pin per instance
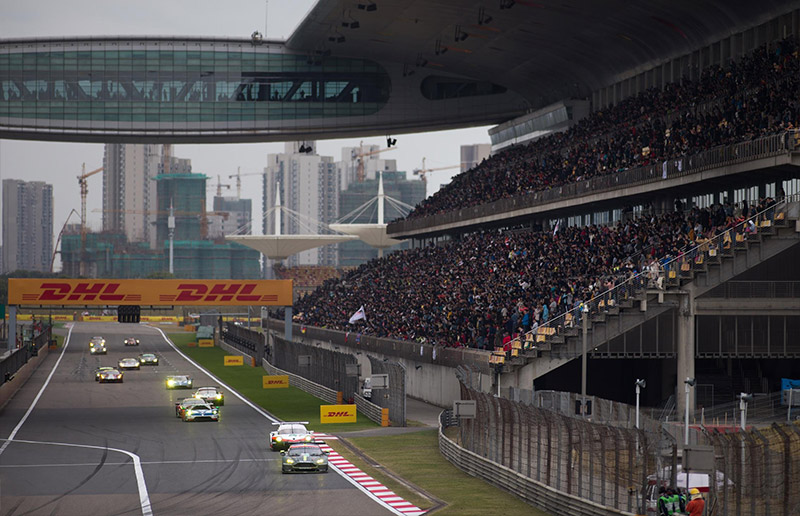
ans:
(395, 185)
(310, 186)
(372, 159)
(472, 155)
(129, 191)
(27, 210)
(231, 215)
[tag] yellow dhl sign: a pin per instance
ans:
(114, 292)
(233, 360)
(280, 381)
(206, 343)
(337, 413)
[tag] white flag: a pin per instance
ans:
(360, 314)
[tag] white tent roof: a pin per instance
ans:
(280, 247)
(374, 235)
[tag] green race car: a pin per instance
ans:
(304, 458)
(148, 359)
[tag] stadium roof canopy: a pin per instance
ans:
(545, 50)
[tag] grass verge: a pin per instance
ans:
(416, 458)
(290, 404)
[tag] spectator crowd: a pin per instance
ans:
(753, 97)
(483, 289)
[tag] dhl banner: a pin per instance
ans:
(111, 292)
(99, 318)
(233, 360)
(280, 381)
(206, 343)
(337, 413)
(159, 318)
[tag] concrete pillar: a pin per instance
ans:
(287, 323)
(686, 351)
(12, 327)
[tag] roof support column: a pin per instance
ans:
(685, 321)
(287, 323)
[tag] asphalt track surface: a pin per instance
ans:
(76, 452)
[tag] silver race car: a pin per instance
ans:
(129, 363)
(111, 375)
(97, 346)
(211, 395)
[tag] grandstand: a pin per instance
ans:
(639, 214)
(306, 278)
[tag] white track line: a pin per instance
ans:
(39, 395)
(144, 497)
(272, 419)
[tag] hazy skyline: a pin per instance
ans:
(60, 163)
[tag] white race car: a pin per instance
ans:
(129, 363)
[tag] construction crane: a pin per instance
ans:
(360, 155)
(424, 170)
(84, 185)
(238, 175)
(220, 184)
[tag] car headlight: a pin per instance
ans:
(308, 438)
(289, 461)
(170, 382)
(215, 411)
(219, 396)
(279, 439)
(320, 461)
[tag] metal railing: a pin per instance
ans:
(723, 155)
(14, 361)
(661, 275)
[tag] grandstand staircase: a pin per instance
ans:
(694, 278)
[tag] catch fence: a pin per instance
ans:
(14, 361)
(393, 398)
(319, 365)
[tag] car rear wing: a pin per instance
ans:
(291, 423)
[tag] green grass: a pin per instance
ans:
(290, 404)
(416, 458)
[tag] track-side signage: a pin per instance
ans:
(205, 343)
(337, 413)
(234, 360)
(276, 381)
(149, 292)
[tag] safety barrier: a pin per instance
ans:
(533, 492)
(295, 380)
(372, 411)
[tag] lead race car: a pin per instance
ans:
(307, 457)
(289, 433)
(199, 412)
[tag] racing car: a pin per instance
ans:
(130, 341)
(183, 403)
(97, 346)
(148, 359)
(99, 371)
(304, 457)
(200, 411)
(179, 382)
(289, 433)
(211, 395)
(111, 375)
(128, 363)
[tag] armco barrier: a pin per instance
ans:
(315, 389)
(369, 409)
(533, 492)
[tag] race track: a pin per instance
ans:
(77, 451)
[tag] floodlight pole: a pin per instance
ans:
(689, 382)
(584, 357)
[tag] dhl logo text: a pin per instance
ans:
(217, 292)
(337, 414)
(274, 382)
(95, 291)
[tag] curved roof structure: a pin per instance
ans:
(280, 247)
(362, 68)
(374, 235)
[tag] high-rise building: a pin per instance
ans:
(372, 163)
(310, 186)
(472, 155)
(232, 215)
(129, 190)
(27, 225)
(395, 185)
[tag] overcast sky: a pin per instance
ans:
(60, 163)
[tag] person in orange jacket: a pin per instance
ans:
(696, 504)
